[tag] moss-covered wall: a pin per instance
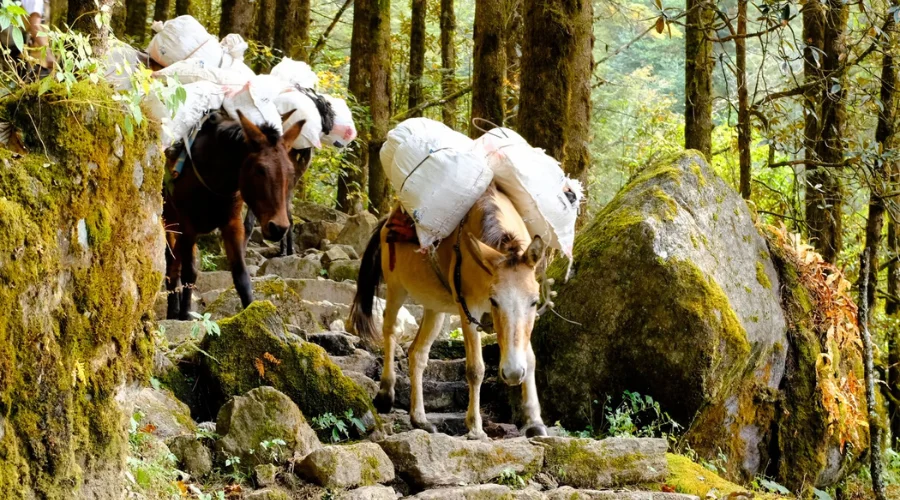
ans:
(80, 262)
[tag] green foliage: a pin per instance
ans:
(337, 427)
(209, 326)
(511, 479)
(208, 262)
(634, 416)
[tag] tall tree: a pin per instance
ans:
(824, 196)
(416, 54)
(292, 28)
(740, 48)
(238, 16)
(265, 30)
(135, 19)
(182, 7)
(81, 14)
(489, 65)
(554, 104)
(514, 32)
(698, 68)
(448, 62)
(58, 10)
(161, 10)
(380, 105)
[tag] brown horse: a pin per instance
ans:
(231, 162)
(488, 265)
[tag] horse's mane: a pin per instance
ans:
(493, 233)
(230, 130)
(326, 111)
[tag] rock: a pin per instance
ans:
(292, 266)
(268, 494)
(177, 331)
(368, 385)
(405, 327)
(325, 312)
(332, 254)
(347, 249)
(361, 361)
(193, 456)
(265, 474)
(335, 343)
(357, 231)
(337, 326)
(271, 288)
(253, 258)
(317, 290)
(302, 370)
(368, 493)
(344, 270)
(496, 430)
(312, 234)
(309, 211)
(348, 466)
(427, 460)
(262, 415)
(590, 463)
(569, 493)
(161, 411)
(213, 280)
(480, 492)
(709, 343)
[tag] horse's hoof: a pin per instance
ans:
(383, 402)
(425, 426)
(536, 430)
(478, 435)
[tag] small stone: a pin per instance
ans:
(337, 326)
(333, 253)
(267, 494)
(348, 466)
(311, 234)
(344, 270)
(265, 474)
(369, 493)
(368, 385)
(192, 455)
(213, 280)
(309, 211)
(292, 266)
(347, 249)
(606, 463)
(334, 342)
(361, 361)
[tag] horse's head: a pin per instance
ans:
(267, 176)
(514, 295)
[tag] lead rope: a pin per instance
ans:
(457, 277)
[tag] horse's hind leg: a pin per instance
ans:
(249, 222)
(233, 240)
(186, 248)
(531, 407)
(384, 400)
(418, 360)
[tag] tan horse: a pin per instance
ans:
(497, 274)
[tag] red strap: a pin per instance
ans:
(392, 256)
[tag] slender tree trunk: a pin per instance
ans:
(323, 38)
(514, 33)
(577, 156)
(488, 90)
(161, 10)
(416, 54)
(813, 75)
(698, 68)
(448, 62)
(740, 47)
(265, 30)
(182, 7)
(380, 105)
(58, 10)
(80, 16)
(292, 28)
(135, 20)
(875, 451)
(238, 16)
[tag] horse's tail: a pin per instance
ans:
(370, 275)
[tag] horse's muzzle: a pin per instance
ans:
(514, 376)
(274, 232)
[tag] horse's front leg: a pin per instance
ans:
(186, 248)
(474, 376)
(249, 222)
(173, 279)
(233, 240)
(384, 400)
(286, 245)
(531, 407)
(418, 359)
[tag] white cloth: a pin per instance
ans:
(33, 6)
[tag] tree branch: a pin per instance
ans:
(320, 43)
(430, 104)
(848, 161)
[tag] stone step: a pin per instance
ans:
(453, 423)
(335, 343)
(445, 370)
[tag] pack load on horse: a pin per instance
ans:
(468, 237)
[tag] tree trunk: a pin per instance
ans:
(292, 28)
(80, 16)
(182, 7)
(556, 68)
(58, 9)
(875, 451)
(380, 105)
(135, 20)
(416, 54)
(488, 96)
(161, 10)
(265, 31)
(740, 47)
(823, 193)
(448, 62)
(514, 33)
(238, 16)
(698, 67)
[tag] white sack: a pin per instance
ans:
(195, 70)
(301, 107)
(182, 38)
(438, 174)
(256, 100)
(201, 97)
(121, 62)
(296, 73)
(234, 47)
(536, 185)
(344, 131)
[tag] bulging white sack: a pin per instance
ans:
(344, 131)
(121, 62)
(183, 38)
(301, 107)
(256, 100)
(201, 97)
(546, 199)
(296, 73)
(195, 70)
(438, 174)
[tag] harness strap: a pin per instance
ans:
(457, 278)
(432, 259)
(186, 154)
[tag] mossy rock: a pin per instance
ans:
(253, 350)
(667, 299)
(81, 260)
(274, 289)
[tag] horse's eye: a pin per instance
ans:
(534, 304)
(493, 302)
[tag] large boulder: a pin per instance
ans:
(593, 464)
(158, 411)
(674, 295)
(254, 350)
(81, 259)
(348, 466)
(193, 456)
(250, 425)
(358, 230)
(274, 289)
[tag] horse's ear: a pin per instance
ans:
(485, 256)
(534, 253)
(285, 116)
(291, 134)
(252, 133)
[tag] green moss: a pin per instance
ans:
(761, 276)
(75, 331)
(574, 464)
(694, 479)
(701, 180)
